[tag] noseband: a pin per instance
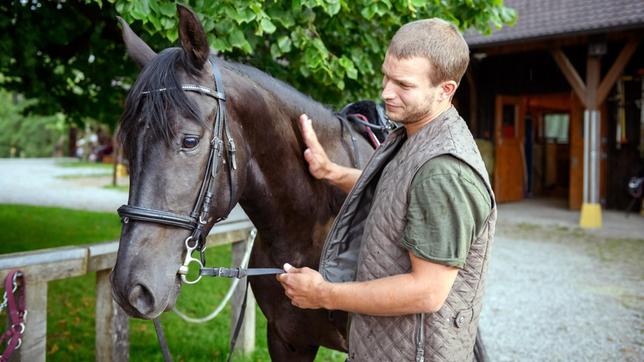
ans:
(198, 218)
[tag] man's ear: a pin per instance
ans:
(193, 37)
(448, 89)
(137, 49)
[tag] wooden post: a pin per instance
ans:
(246, 337)
(112, 335)
(34, 340)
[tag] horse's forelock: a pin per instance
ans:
(154, 109)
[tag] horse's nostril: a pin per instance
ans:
(141, 299)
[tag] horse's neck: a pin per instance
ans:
(282, 199)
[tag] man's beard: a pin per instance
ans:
(415, 116)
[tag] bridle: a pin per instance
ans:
(198, 218)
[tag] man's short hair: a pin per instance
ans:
(438, 41)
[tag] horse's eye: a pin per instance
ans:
(190, 142)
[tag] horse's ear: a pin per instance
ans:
(140, 52)
(192, 36)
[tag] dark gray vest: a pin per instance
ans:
(364, 244)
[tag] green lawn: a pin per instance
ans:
(85, 164)
(70, 323)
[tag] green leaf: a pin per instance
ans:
(236, 38)
(267, 26)
(284, 43)
(167, 8)
(275, 51)
(347, 64)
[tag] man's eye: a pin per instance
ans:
(189, 142)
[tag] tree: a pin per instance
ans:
(330, 49)
(67, 56)
(70, 57)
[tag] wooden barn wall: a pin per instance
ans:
(537, 73)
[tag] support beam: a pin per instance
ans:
(112, 335)
(616, 70)
(591, 209)
(34, 340)
(571, 74)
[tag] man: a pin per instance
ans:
(407, 254)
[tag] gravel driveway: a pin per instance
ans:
(40, 181)
(563, 294)
(555, 292)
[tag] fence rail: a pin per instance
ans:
(112, 336)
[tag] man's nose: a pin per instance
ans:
(387, 91)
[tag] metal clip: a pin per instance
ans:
(183, 269)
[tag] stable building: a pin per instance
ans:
(558, 97)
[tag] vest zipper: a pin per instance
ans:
(420, 337)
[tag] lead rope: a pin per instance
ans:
(244, 263)
(237, 274)
(167, 357)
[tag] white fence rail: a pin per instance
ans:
(112, 336)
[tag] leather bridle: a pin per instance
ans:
(198, 218)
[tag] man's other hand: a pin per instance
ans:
(305, 287)
(319, 164)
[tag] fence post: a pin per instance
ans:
(246, 338)
(34, 340)
(112, 335)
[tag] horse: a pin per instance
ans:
(166, 131)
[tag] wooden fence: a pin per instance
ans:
(112, 342)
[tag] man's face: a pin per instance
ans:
(407, 91)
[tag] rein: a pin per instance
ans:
(15, 304)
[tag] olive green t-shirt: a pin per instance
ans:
(448, 206)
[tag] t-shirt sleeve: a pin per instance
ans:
(447, 208)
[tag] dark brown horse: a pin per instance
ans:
(166, 132)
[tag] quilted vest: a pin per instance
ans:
(364, 244)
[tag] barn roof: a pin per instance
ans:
(539, 19)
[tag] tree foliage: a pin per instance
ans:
(67, 55)
(70, 57)
(330, 49)
(29, 135)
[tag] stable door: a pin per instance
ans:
(510, 173)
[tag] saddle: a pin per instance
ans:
(369, 119)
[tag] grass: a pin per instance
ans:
(83, 175)
(70, 321)
(123, 188)
(85, 164)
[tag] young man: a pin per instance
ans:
(407, 255)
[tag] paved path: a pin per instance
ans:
(555, 292)
(38, 182)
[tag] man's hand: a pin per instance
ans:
(319, 164)
(305, 287)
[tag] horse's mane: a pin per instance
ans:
(152, 109)
(293, 99)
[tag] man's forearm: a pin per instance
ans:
(343, 178)
(392, 296)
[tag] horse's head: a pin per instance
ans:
(181, 175)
